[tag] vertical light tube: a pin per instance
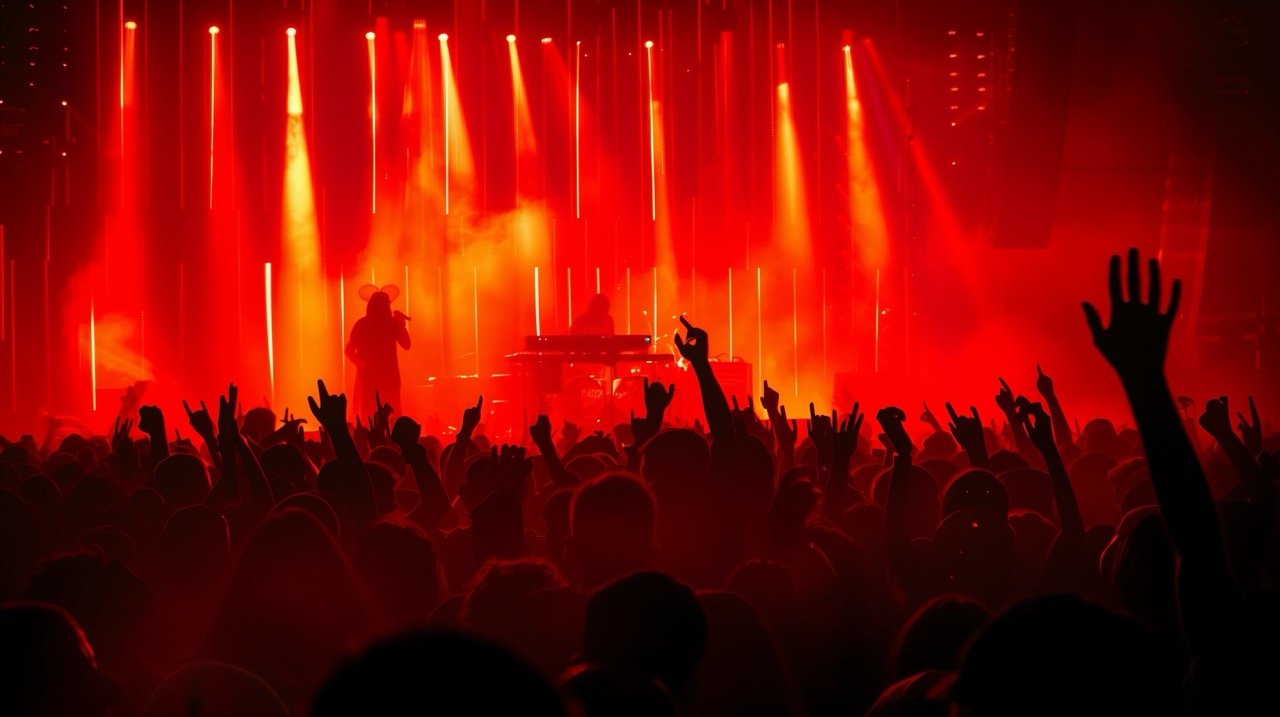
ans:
(537, 304)
(475, 315)
(877, 326)
(568, 282)
(628, 290)
(405, 293)
(653, 150)
(597, 280)
(730, 313)
(577, 133)
(342, 325)
(93, 356)
(373, 122)
(655, 308)
(446, 76)
(13, 343)
(213, 102)
(271, 330)
(759, 325)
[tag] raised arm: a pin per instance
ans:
(1040, 432)
(693, 347)
(455, 468)
(331, 411)
(540, 432)
(435, 501)
(895, 518)
(1216, 421)
(1007, 404)
(1061, 428)
(1135, 343)
(968, 433)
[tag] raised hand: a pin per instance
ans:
(1039, 425)
(151, 421)
(968, 433)
(891, 419)
(570, 432)
(200, 420)
(1005, 400)
(405, 432)
(330, 409)
(657, 398)
(785, 430)
(513, 466)
(846, 435)
(1044, 384)
(1136, 339)
(693, 347)
(1216, 419)
(540, 431)
(821, 430)
(471, 418)
(769, 400)
(1251, 433)
(931, 419)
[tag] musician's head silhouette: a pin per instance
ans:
(379, 298)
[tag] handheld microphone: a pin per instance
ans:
(400, 315)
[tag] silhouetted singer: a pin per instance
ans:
(372, 348)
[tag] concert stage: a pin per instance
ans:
(854, 199)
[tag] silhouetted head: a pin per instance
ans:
(47, 666)
(599, 305)
(499, 585)
(398, 567)
(182, 480)
(379, 304)
(1060, 655)
(976, 489)
(600, 692)
(742, 671)
(105, 597)
(649, 623)
(934, 637)
(436, 673)
(212, 689)
(612, 526)
(195, 547)
(924, 694)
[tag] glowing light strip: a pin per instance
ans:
(446, 76)
(759, 324)
(730, 313)
(271, 331)
(373, 122)
(655, 308)
(342, 324)
(93, 355)
(577, 127)
(213, 101)
(568, 282)
(653, 156)
(537, 304)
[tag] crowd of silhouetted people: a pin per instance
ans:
(914, 565)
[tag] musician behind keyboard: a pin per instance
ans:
(595, 321)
